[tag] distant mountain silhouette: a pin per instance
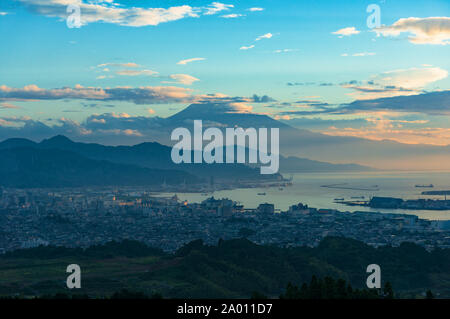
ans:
(17, 142)
(157, 156)
(146, 155)
(312, 145)
(294, 142)
(25, 167)
(294, 164)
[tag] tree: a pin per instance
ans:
(126, 294)
(246, 232)
(341, 291)
(388, 291)
(258, 296)
(315, 288)
(330, 288)
(292, 292)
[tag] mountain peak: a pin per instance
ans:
(223, 113)
(57, 140)
(199, 110)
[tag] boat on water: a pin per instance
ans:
(339, 199)
(425, 186)
(262, 194)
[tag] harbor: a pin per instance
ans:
(398, 203)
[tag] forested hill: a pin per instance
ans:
(28, 167)
(233, 269)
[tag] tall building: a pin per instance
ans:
(266, 208)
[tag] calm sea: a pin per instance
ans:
(307, 189)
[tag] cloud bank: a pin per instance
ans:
(432, 30)
(396, 83)
(141, 95)
(114, 13)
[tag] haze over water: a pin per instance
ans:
(307, 189)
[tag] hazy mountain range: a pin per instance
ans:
(29, 167)
(317, 146)
(59, 161)
(294, 142)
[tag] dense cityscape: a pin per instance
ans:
(85, 217)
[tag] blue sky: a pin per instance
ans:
(301, 45)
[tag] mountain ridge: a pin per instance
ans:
(30, 167)
(139, 154)
(303, 143)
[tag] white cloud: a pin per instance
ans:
(4, 122)
(216, 7)
(140, 95)
(346, 32)
(8, 106)
(255, 9)
(264, 36)
(127, 132)
(401, 82)
(184, 79)
(240, 107)
(125, 65)
(111, 12)
(232, 16)
(184, 62)
(3, 13)
(95, 120)
(359, 54)
(247, 47)
(285, 50)
(364, 54)
(432, 30)
(136, 72)
(282, 117)
(412, 78)
(386, 129)
(124, 69)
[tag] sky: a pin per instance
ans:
(319, 65)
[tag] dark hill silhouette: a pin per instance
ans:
(294, 164)
(155, 155)
(233, 269)
(33, 167)
(147, 155)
